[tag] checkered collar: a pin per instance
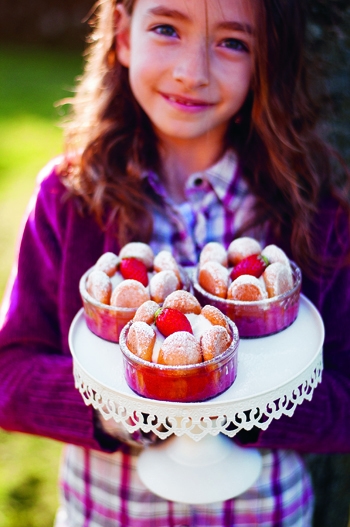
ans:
(221, 176)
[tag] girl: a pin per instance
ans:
(192, 123)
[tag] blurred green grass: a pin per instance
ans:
(32, 80)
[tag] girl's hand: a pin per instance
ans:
(118, 431)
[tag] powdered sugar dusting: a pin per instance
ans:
(162, 284)
(145, 333)
(275, 254)
(214, 341)
(278, 279)
(199, 324)
(99, 279)
(108, 263)
(213, 251)
(215, 316)
(99, 286)
(242, 248)
(129, 293)
(138, 250)
(246, 288)
(181, 348)
(218, 271)
(140, 340)
(214, 277)
(164, 260)
(183, 301)
(147, 311)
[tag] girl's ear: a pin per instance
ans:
(122, 35)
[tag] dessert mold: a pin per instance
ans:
(107, 321)
(189, 383)
(259, 318)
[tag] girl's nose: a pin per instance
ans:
(192, 68)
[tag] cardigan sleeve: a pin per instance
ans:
(37, 393)
(322, 424)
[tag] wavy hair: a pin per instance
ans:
(285, 162)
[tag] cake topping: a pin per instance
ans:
(136, 262)
(275, 254)
(213, 251)
(247, 288)
(162, 284)
(214, 278)
(99, 286)
(166, 322)
(278, 279)
(146, 312)
(138, 250)
(129, 293)
(180, 348)
(214, 341)
(183, 301)
(109, 303)
(108, 263)
(247, 259)
(169, 320)
(134, 269)
(164, 261)
(254, 265)
(242, 247)
(199, 324)
(215, 316)
(141, 339)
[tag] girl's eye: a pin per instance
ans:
(165, 30)
(235, 44)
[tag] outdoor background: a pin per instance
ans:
(40, 49)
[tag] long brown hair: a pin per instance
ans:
(285, 162)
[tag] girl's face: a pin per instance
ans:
(190, 63)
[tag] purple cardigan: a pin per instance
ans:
(37, 393)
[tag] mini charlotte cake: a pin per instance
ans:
(258, 288)
(117, 285)
(179, 352)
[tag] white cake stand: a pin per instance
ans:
(275, 374)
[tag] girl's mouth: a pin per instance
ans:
(186, 103)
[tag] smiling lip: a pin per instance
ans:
(185, 103)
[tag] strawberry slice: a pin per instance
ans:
(169, 320)
(132, 268)
(253, 265)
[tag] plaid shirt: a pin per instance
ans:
(217, 202)
(104, 490)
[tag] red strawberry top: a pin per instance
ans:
(253, 265)
(157, 275)
(134, 269)
(169, 320)
(182, 334)
(249, 272)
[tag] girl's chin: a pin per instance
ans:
(184, 133)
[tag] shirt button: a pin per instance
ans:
(198, 182)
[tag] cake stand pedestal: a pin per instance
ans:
(212, 469)
(198, 464)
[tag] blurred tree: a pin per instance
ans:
(329, 56)
(54, 23)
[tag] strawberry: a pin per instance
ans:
(169, 320)
(253, 265)
(131, 268)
